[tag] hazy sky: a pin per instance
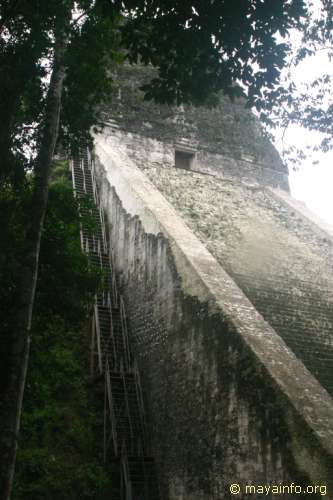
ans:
(311, 183)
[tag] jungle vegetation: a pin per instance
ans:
(60, 452)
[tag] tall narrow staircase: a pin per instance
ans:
(125, 441)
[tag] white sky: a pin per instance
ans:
(311, 183)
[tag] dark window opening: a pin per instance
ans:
(184, 159)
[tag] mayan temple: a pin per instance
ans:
(217, 347)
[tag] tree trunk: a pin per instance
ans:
(19, 341)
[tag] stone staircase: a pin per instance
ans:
(125, 442)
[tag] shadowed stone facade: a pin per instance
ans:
(226, 138)
(229, 291)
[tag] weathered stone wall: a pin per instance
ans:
(227, 137)
(229, 403)
(277, 259)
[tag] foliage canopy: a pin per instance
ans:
(198, 47)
